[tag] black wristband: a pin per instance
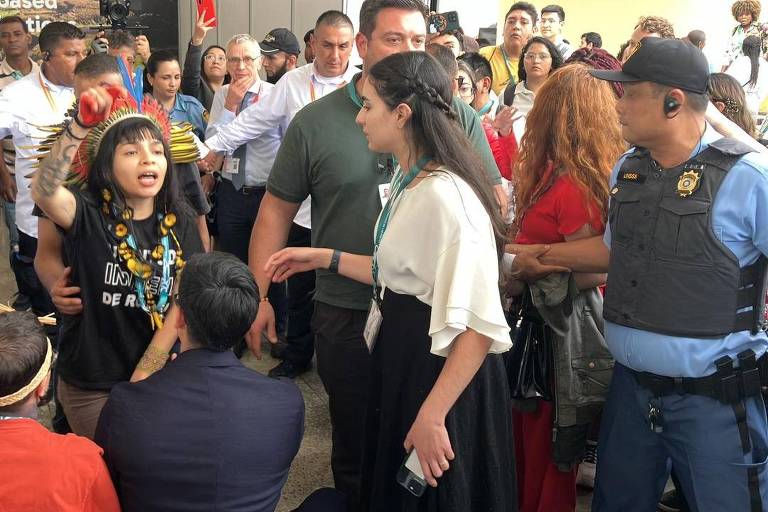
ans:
(68, 130)
(335, 258)
(80, 124)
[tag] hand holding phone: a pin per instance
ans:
(411, 476)
(209, 8)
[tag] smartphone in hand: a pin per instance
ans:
(411, 476)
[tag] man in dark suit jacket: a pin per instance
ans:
(204, 433)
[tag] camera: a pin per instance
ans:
(116, 11)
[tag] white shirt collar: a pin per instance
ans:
(54, 88)
(257, 86)
(6, 68)
(350, 72)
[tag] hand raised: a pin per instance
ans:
(202, 27)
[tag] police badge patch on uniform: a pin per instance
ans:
(688, 183)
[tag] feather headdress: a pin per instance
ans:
(179, 136)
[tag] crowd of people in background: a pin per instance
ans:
(518, 268)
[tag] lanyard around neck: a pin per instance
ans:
(47, 92)
(399, 183)
(352, 91)
(506, 61)
(313, 94)
(486, 108)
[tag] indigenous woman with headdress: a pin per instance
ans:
(127, 234)
(438, 395)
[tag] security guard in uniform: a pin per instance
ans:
(685, 250)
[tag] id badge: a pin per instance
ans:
(231, 165)
(372, 325)
(384, 190)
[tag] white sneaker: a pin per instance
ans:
(586, 474)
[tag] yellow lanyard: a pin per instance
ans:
(47, 92)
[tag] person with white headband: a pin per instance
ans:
(40, 470)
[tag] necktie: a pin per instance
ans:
(238, 180)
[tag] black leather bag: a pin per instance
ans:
(530, 361)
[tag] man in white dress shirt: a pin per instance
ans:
(246, 166)
(15, 42)
(332, 46)
(39, 99)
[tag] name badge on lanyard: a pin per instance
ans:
(372, 325)
(231, 165)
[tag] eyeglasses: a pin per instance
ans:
(245, 60)
(216, 58)
(466, 91)
(538, 56)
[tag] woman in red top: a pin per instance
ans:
(561, 176)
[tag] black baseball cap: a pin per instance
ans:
(280, 40)
(670, 62)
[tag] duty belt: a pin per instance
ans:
(728, 385)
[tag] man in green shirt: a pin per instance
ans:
(325, 154)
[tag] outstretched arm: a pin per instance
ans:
(293, 260)
(48, 189)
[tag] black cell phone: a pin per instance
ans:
(411, 476)
(443, 22)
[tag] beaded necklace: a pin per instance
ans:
(155, 304)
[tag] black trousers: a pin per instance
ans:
(23, 265)
(237, 210)
(343, 363)
(301, 287)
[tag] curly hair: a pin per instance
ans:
(597, 58)
(553, 145)
(656, 25)
(746, 7)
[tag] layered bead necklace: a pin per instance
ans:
(156, 303)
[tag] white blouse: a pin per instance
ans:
(439, 246)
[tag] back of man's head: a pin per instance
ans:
(593, 38)
(219, 299)
(371, 9)
(479, 64)
(445, 57)
(95, 65)
(23, 348)
(56, 31)
(697, 38)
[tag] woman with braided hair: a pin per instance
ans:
(436, 326)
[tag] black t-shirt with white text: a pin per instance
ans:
(101, 346)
